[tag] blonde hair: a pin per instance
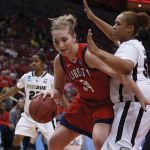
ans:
(64, 21)
(140, 21)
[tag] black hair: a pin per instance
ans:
(140, 21)
(41, 56)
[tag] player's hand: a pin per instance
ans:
(87, 10)
(144, 103)
(54, 94)
(40, 93)
(91, 45)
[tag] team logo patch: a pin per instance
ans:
(29, 78)
(68, 65)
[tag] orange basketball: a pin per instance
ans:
(42, 110)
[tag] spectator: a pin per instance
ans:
(5, 127)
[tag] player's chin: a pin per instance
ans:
(33, 69)
(63, 53)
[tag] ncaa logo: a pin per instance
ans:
(29, 78)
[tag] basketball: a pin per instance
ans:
(42, 110)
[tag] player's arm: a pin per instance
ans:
(102, 25)
(120, 65)
(59, 79)
(137, 92)
(11, 92)
(94, 62)
(65, 101)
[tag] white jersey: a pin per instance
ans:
(134, 51)
(33, 85)
(131, 123)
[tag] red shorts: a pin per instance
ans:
(81, 116)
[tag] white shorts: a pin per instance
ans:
(75, 144)
(26, 126)
(129, 127)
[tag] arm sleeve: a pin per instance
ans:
(21, 82)
(128, 52)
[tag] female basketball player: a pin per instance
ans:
(130, 123)
(33, 82)
(91, 114)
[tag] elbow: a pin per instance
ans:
(127, 72)
(127, 68)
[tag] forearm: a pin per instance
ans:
(58, 94)
(131, 85)
(106, 28)
(114, 62)
(11, 92)
(65, 101)
(135, 89)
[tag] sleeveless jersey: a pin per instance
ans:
(134, 51)
(33, 85)
(92, 84)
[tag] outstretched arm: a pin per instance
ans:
(111, 68)
(120, 65)
(59, 81)
(11, 92)
(102, 25)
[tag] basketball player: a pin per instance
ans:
(130, 123)
(33, 82)
(91, 114)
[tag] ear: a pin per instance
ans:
(74, 37)
(131, 29)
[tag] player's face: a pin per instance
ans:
(63, 41)
(36, 63)
(121, 29)
(2, 107)
(21, 103)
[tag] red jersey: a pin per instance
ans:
(4, 118)
(92, 84)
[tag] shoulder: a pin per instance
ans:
(27, 74)
(57, 62)
(90, 59)
(50, 76)
(133, 43)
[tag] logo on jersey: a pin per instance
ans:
(68, 65)
(29, 78)
(37, 87)
(79, 72)
(45, 81)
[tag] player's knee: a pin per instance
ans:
(52, 143)
(98, 141)
(17, 140)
